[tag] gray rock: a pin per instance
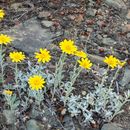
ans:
(112, 126)
(116, 4)
(30, 36)
(128, 35)
(16, 6)
(68, 123)
(46, 23)
(51, 118)
(128, 14)
(32, 125)
(126, 78)
(91, 12)
(10, 116)
(108, 41)
(44, 14)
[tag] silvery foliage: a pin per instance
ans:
(103, 101)
(23, 82)
(35, 70)
(12, 101)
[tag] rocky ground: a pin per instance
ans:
(100, 26)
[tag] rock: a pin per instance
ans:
(2, 119)
(126, 28)
(30, 36)
(128, 15)
(51, 118)
(32, 125)
(99, 36)
(68, 124)
(96, 59)
(112, 126)
(46, 23)
(71, 17)
(55, 4)
(128, 35)
(10, 116)
(44, 14)
(89, 29)
(91, 12)
(108, 41)
(16, 6)
(126, 78)
(116, 4)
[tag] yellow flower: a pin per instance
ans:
(121, 64)
(4, 39)
(2, 14)
(36, 82)
(68, 46)
(16, 56)
(7, 92)
(43, 56)
(111, 61)
(85, 63)
(80, 54)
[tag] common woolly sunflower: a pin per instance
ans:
(7, 92)
(121, 63)
(43, 56)
(5, 39)
(17, 56)
(67, 46)
(85, 63)
(36, 82)
(111, 61)
(2, 14)
(80, 54)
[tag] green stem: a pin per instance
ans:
(58, 72)
(104, 77)
(75, 75)
(74, 71)
(16, 73)
(72, 81)
(115, 76)
(16, 79)
(1, 64)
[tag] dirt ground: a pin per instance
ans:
(95, 25)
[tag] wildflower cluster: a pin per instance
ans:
(8, 92)
(80, 54)
(43, 56)
(17, 56)
(85, 63)
(36, 81)
(67, 46)
(2, 14)
(113, 62)
(4, 39)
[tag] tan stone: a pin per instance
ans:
(126, 28)
(128, 15)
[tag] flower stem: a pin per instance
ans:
(75, 75)
(1, 65)
(58, 72)
(104, 77)
(115, 76)
(16, 73)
